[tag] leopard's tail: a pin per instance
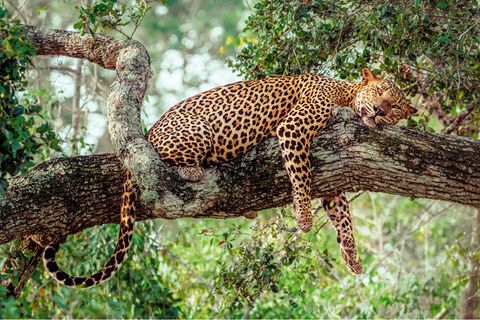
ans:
(127, 219)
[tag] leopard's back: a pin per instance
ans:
(235, 117)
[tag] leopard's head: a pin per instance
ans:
(381, 101)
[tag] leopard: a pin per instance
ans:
(226, 122)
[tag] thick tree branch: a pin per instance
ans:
(67, 195)
(64, 196)
(131, 62)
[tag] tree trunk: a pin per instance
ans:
(67, 195)
(131, 62)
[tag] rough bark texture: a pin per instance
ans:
(67, 195)
(64, 196)
(131, 62)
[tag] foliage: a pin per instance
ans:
(273, 272)
(24, 131)
(136, 290)
(107, 15)
(415, 257)
(431, 48)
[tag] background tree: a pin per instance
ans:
(265, 268)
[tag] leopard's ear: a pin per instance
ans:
(368, 76)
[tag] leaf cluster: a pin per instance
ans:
(24, 131)
(253, 267)
(136, 291)
(106, 15)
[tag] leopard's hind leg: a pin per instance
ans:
(184, 140)
(338, 211)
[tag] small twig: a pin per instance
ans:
(246, 312)
(442, 314)
(317, 210)
(139, 20)
(186, 266)
(459, 119)
(356, 196)
(76, 112)
(321, 227)
(55, 68)
(121, 32)
(470, 300)
(27, 272)
(17, 10)
(468, 29)
(406, 236)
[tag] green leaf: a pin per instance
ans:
(92, 18)
(79, 25)
(444, 39)
(15, 146)
(443, 5)
(100, 7)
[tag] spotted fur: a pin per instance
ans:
(228, 121)
(338, 212)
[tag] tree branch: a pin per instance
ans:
(131, 62)
(67, 195)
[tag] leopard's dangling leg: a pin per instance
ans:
(127, 219)
(338, 211)
(294, 134)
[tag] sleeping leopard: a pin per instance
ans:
(226, 122)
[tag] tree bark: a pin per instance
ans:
(67, 195)
(131, 62)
